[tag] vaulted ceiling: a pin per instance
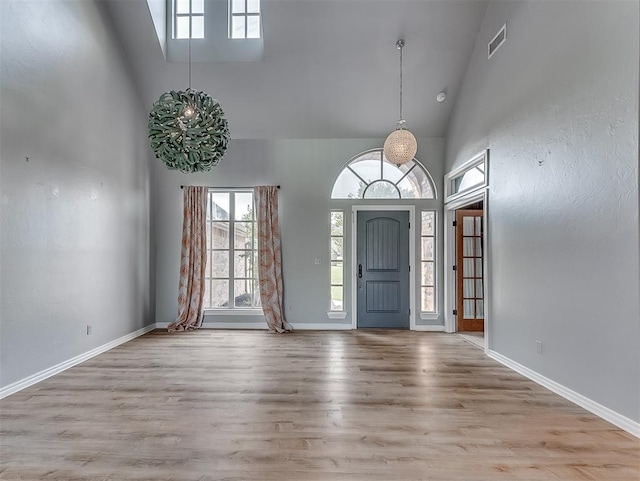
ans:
(330, 68)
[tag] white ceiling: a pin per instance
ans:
(330, 68)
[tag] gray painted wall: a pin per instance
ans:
(158, 11)
(75, 217)
(563, 90)
(306, 171)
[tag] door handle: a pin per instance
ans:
(359, 271)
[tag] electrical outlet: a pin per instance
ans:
(88, 330)
(539, 347)
(316, 261)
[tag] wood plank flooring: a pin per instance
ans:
(474, 337)
(306, 406)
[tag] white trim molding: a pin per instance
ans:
(449, 195)
(321, 326)
(617, 419)
(450, 256)
(74, 361)
(452, 202)
(337, 315)
(233, 312)
(229, 325)
(299, 326)
(428, 328)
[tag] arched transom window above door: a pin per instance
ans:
(370, 175)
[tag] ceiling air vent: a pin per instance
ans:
(498, 40)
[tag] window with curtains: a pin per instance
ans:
(188, 19)
(231, 279)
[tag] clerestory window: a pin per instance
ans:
(371, 176)
(188, 19)
(244, 19)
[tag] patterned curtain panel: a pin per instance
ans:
(270, 258)
(193, 260)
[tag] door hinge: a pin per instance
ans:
(455, 268)
(455, 223)
(409, 268)
(455, 312)
(409, 311)
(409, 225)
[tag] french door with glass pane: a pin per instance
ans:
(469, 279)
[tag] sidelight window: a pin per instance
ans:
(427, 262)
(336, 248)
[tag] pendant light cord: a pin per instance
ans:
(190, 59)
(400, 45)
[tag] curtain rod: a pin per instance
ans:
(226, 188)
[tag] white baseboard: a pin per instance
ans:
(234, 325)
(58, 368)
(299, 326)
(321, 326)
(429, 328)
(617, 419)
(222, 325)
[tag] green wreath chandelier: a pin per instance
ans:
(188, 130)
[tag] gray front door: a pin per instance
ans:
(383, 269)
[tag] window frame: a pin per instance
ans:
(434, 314)
(450, 179)
(384, 177)
(336, 313)
(190, 15)
(231, 308)
(246, 16)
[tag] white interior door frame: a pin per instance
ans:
(450, 208)
(412, 257)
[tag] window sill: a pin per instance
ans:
(429, 316)
(337, 315)
(233, 312)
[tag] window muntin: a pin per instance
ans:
(381, 189)
(371, 176)
(244, 19)
(336, 250)
(231, 278)
(188, 19)
(427, 261)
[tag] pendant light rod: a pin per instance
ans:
(401, 145)
(399, 46)
(189, 57)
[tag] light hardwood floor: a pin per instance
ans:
(475, 338)
(350, 405)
